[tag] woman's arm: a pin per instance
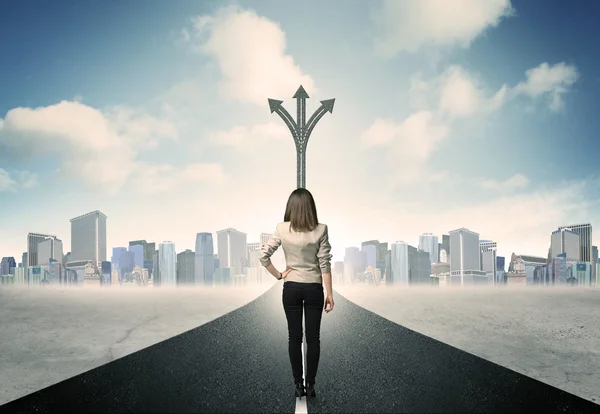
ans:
(267, 250)
(327, 283)
(324, 256)
(273, 271)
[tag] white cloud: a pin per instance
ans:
(410, 143)
(517, 181)
(139, 129)
(410, 25)
(250, 52)
(6, 181)
(551, 81)
(459, 93)
(11, 182)
(99, 148)
(250, 136)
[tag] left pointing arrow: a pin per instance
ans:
(275, 106)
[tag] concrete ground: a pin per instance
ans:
(550, 334)
(51, 334)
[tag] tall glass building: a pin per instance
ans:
(138, 254)
(88, 238)
(50, 249)
(33, 240)
(429, 243)
(185, 268)
(6, 265)
(115, 260)
(204, 268)
(465, 261)
(370, 250)
(167, 259)
(585, 240)
(565, 241)
(399, 263)
(231, 245)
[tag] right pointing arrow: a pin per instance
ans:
(326, 106)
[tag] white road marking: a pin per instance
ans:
(301, 407)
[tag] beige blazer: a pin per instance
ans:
(306, 253)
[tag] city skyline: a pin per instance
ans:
(461, 258)
(422, 238)
(434, 130)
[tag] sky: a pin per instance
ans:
(447, 114)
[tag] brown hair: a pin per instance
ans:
(301, 211)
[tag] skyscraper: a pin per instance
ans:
(49, 249)
(231, 245)
(138, 254)
(565, 241)
(33, 239)
(488, 264)
(419, 266)
(6, 265)
(142, 243)
(370, 251)
(88, 238)
(185, 268)
(429, 243)
(399, 263)
(465, 259)
(446, 245)
(488, 249)
(204, 268)
(585, 239)
(167, 262)
(149, 251)
(155, 269)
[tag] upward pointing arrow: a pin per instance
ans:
(301, 97)
(301, 93)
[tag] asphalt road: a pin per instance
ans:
(239, 363)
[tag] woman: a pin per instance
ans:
(306, 247)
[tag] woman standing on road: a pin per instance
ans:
(306, 246)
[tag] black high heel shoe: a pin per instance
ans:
(300, 391)
(310, 390)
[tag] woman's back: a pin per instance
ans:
(307, 253)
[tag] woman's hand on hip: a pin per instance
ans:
(285, 273)
(329, 301)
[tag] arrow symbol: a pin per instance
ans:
(301, 96)
(299, 128)
(277, 107)
(326, 106)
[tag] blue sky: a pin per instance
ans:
(447, 114)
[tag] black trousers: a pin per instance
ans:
(296, 298)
